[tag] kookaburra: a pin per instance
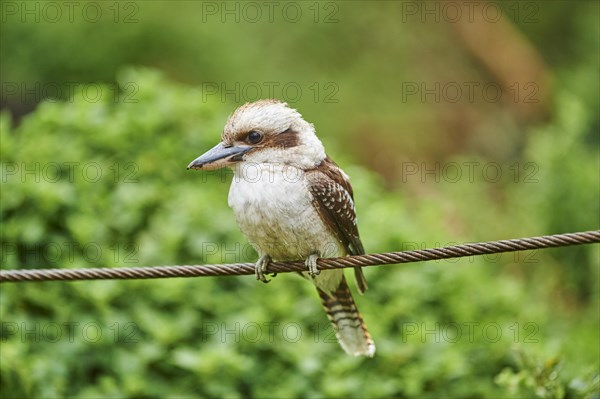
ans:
(293, 202)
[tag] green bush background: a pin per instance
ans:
(193, 337)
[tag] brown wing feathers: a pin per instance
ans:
(333, 199)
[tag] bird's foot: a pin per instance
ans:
(311, 264)
(260, 269)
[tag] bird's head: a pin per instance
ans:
(265, 131)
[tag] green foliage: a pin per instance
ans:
(459, 328)
(541, 380)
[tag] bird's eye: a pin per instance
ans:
(254, 137)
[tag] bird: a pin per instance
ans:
(292, 201)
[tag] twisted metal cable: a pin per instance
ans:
(237, 269)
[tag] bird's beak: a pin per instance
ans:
(218, 157)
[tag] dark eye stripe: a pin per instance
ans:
(286, 139)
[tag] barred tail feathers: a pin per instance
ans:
(348, 324)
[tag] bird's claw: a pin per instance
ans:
(260, 269)
(311, 264)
